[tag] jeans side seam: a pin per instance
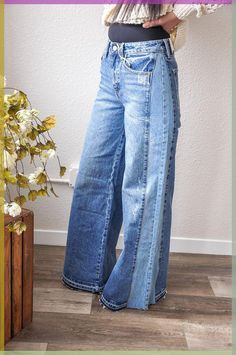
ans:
(152, 249)
(164, 210)
(145, 163)
(171, 156)
(164, 205)
(166, 190)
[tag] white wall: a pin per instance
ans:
(52, 52)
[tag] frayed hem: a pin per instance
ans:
(160, 295)
(110, 305)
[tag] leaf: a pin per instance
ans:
(41, 128)
(10, 226)
(22, 180)
(14, 127)
(9, 177)
(21, 153)
(32, 195)
(62, 170)
(9, 144)
(43, 192)
(41, 178)
(17, 101)
(48, 145)
(33, 134)
(23, 100)
(51, 145)
(34, 150)
(4, 117)
(20, 200)
(17, 227)
(41, 146)
(49, 122)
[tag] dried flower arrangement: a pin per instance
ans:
(25, 135)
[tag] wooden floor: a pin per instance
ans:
(195, 315)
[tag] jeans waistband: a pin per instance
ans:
(129, 32)
(147, 46)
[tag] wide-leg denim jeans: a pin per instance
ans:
(126, 175)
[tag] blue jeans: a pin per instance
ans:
(126, 175)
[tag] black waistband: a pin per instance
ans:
(122, 32)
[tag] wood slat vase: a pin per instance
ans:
(18, 283)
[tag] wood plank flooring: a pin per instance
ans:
(195, 315)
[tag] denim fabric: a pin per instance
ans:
(126, 175)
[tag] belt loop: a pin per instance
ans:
(168, 47)
(107, 48)
(121, 48)
(171, 45)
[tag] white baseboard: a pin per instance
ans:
(178, 245)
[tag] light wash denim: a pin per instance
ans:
(126, 175)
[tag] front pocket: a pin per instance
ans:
(141, 63)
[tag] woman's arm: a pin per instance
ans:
(180, 12)
(183, 10)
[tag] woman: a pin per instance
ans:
(127, 168)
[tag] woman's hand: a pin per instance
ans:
(168, 22)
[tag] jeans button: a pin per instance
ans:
(114, 48)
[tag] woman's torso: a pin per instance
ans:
(140, 14)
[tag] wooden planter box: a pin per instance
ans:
(18, 281)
